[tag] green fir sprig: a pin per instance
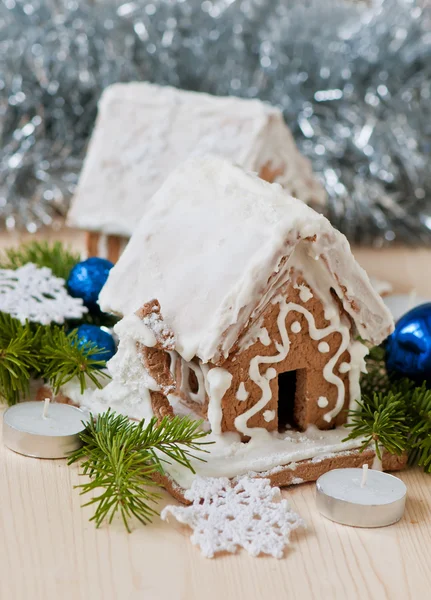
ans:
(18, 358)
(121, 457)
(380, 420)
(43, 254)
(45, 352)
(63, 358)
(420, 428)
(49, 352)
(393, 414)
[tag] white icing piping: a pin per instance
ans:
(263, 382)
(305, 293)
(242, 393)
(295, 327)
(264, 337)
(336, 325)
(323, 347)
(269, 415)
(358, 352)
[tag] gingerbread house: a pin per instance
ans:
(245, 307)
(144, 131)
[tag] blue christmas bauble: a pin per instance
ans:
(87, 278)
(98, 337)
(408, 348)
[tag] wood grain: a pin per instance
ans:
(49, 550)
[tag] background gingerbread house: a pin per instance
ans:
(254, 303)
(144, 131)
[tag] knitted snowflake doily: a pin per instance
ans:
(226, 515)
(35, 294)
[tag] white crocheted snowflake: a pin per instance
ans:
(35, 294)
(226, 515)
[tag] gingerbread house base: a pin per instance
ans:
(288, 458)
(305, 470)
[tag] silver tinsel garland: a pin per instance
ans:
(354, 83)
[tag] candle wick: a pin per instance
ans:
(45, 408)
(364, 475)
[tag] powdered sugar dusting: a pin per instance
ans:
(227, 515)
(163, 334)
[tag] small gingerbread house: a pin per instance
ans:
(247, 308)
(144, 131)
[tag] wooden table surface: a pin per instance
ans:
(49, 550)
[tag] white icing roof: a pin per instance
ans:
(210, 243)
(144, 131)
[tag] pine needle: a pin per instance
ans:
(17, 358)
(63, 358)
(46, 352)
(380, 420)
(43, 254)
(120, 457)
(394, 414)
(420, 423)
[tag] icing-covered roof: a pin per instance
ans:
(144, 131)
(216, 245)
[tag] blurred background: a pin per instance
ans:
(353, 80)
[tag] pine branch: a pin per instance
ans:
(394, 414)
(17, 358)
(120, 458)
(47, 352)
(420, 423)
(380, 420)
(55, 256)
(63, 358)
(377, 378)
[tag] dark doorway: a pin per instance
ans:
(286, 399)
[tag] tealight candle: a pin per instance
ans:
(361, 498)
(43, 430)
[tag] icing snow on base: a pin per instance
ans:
(227, 515)
(229, 457)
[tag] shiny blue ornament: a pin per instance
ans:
(87, 278)
(408, 349)
(98, 337)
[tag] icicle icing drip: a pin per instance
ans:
(218, 382)
(358, 352)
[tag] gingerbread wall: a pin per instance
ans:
(304, 357)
